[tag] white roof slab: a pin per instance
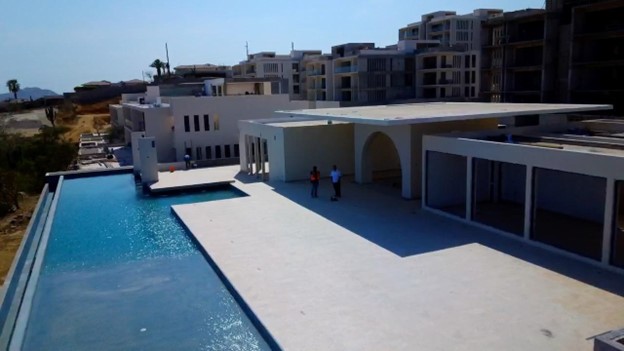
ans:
(374, 272)
(402, 114)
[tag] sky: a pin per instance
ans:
(59, 44)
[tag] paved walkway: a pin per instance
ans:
(373, 272)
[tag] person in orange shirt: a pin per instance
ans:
(315, 176)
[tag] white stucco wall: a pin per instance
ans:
(408, 142)
(321, 146)
(158, 123)
(230, 109)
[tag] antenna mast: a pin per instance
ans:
(247, 49)
(167, 52)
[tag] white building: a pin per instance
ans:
(204, 127)
(270, 65)
(538, 183)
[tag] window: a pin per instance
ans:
(227, 151)
(208, 153)
(474, 60)
(198, 153)
(218, 151)
(196, 122)
(187, 124)
(236, 150)
(206, 123)
(215, 120)
(472, 92)
(473, 77)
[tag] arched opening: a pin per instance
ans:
(381, 162)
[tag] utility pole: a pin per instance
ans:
(247, 49)
(167, 52)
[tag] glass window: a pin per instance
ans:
(196, 122)
(206, 122)
(215, 119)
(187, 124)
(227, 151)
(208, 153)
(236, 150)
(218, 151)
(198, 153)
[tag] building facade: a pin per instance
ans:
(270, 65)
(512, 57)
(203, 127)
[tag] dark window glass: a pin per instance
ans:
(236, 150)
(227, 151)
(218, 151)
(196, 122)
(206, 122)
(208, 153)
(187, 124)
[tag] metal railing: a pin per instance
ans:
(345, 69)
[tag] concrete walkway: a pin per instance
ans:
(373, 272)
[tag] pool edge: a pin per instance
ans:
(247, 310)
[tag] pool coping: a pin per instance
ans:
(20, 271)
(247, 310)
(19, 332)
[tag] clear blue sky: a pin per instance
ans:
(63, 43)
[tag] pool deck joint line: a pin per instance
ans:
(374, 272)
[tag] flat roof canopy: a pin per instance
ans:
(402, 114)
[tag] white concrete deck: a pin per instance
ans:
(373, 272)
(193, 178)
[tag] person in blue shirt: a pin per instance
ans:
(187, 160)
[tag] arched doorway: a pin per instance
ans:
(381, 162)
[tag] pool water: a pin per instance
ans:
(120, 272)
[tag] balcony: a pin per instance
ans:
(345, 69)
(317, 72)
(443, 81)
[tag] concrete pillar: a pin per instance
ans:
(136, 157)
(262, 160)
(608, 227)
(469, 188)
(256, 147)
(149, 160)
(242, 160)
(528, 202)
(248, 152)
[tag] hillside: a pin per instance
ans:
(27, 93)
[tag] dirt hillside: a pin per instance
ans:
(12, 229)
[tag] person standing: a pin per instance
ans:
(315, 176)
(187, 160)
(336, 175)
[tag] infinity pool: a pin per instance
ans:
(120, 272)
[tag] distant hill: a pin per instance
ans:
(27, 93)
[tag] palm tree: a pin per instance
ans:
(159, 65)
(13, 86)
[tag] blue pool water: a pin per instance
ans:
(120, 272)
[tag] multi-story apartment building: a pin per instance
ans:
(584, 52)
(451, 29)
(364, 74)
(512, 56)
(447, 73)
(450, 70)
(270, 65)
(317, 78)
